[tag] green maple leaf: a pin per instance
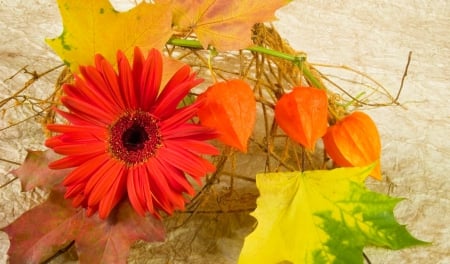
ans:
(93, 26)
(321, 217)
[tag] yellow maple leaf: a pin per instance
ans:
(321, 217)
(94, 26)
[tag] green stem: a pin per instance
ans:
(353, 100)
(187, 43)
(296, 60)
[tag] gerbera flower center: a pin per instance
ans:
(135, 137)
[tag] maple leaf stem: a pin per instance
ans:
(59, 252)
(187, 43)
(296, 60)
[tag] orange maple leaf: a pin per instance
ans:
(224, 24)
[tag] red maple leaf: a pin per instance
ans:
(34, 171)
(40, 232)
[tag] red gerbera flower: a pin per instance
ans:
(127, 138)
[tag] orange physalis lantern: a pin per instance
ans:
(354, 141)
(302, 114)
(230, 108)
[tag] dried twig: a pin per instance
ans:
(405, 73)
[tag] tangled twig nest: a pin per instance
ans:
(221, 207)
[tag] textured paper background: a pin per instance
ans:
(372, 36)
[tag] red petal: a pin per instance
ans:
(140, 184)
(189, 131)
(75, 128)
(132, 190)
(80, 149)
(72, 161)
(146, 190)
(73, 90)
(180, 76)
(112, 84)
(81, 91)
(180, 117)
(88, 112)
(54, 141)
(194, 146)
(138, 65)
(78, 200)
(74, 190)
(93, 183)
(75, 138)
(84, 171)
(171, 174)
(161, 191)
(168, 101)
(90, 211)
(176, 178)
(114, 196)
(126, 80)
(150, 79)
(185, 161)
(95, 81)
(105, 183)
